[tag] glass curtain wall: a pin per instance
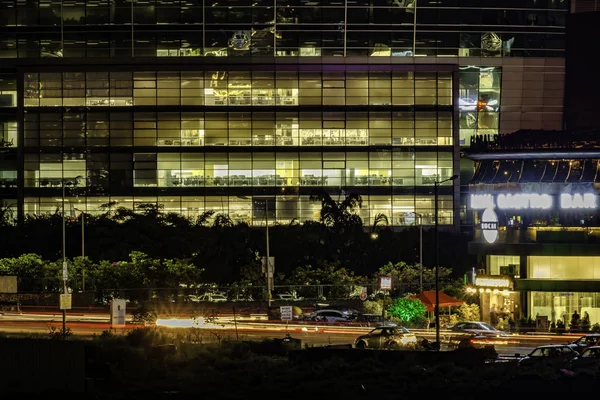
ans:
(383, 132)
(479, 101)
(283, 209)
(168, 28)
(561, 305)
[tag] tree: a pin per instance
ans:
(379, 220)
(406, 277)
(408, 310)
(30, 270)
(339, 281)
(339, 215)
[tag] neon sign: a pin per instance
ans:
(524, 201)
(587, 200)
(493, 282)
(533, 201)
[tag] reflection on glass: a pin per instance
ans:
(479, 101)
(282, 209)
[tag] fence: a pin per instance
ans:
(214, 293)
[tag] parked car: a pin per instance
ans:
(350, 312)
(243, 297)
(554, 355)
(286, 297)
(208, 297)
(386, 337)
(585, 342)
(330, 316)
(478, 328)
(589, 359)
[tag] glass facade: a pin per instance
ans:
(263, 99)
(564, 268)
(504, 265)
(562, 305)
(479, 101)
(172, 28)
(250, 209)
(231, 140)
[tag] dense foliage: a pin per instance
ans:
(132, 277)
(330, 251)
(407, 310)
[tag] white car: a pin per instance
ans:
(286, 297)
(208, 297)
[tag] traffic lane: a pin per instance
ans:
(313, 338)
(87, 330)
(317, 336)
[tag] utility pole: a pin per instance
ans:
(436, 184)
(270, 268)
(64, 254)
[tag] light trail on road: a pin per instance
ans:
(87, 325)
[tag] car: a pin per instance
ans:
(286, 297)
(589, 359)
(330, 316)
(585, 342)
(350, 312)
(387, 337)
(478, 328)
(208, 297)
(473, 340)
(554, 355)
(243, 297)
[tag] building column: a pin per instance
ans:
(523, 296)
(20, 147)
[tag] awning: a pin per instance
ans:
(428, 298)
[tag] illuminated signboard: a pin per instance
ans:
(498, 282)
(489, 225)
(586, 200)
(533, 201)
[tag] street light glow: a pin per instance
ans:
(185, 323)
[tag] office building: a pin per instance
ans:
(245, 106)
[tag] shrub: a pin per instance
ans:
(143, 315)
(372, 307)
(106, 334)
(468, 312)
(596, 328)
(407, 310)
(146, 337)
(527, 322)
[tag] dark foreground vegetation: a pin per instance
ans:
(196, 363)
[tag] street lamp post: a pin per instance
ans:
(64, 254)
(64, 250)
(269, 270)
(437, 260)
(268, 255)
(82, 244)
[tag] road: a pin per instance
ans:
(87, 325)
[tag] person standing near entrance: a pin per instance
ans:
(575, 318)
